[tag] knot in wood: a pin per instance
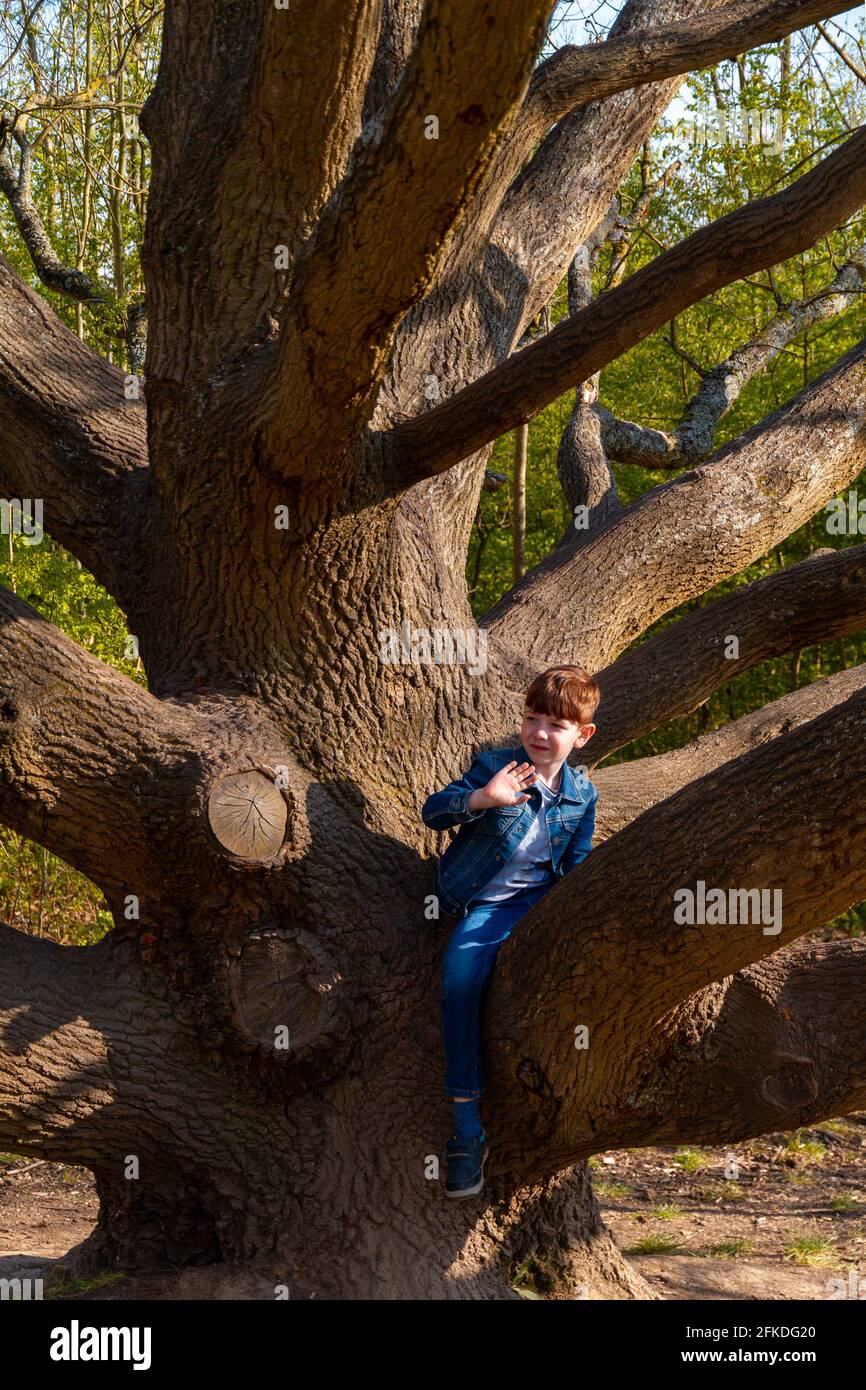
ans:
(284, 990)
(791, 1083)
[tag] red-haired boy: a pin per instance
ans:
(526, 819)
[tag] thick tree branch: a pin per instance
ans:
(778, 1046)
(82, 752)
(476, 313)
(378, 244)
(576, 76)
(89, 1042)
(786, 817)
(69, 436)
(681, 538)
(536, 228)
(675, 671)
(488, 292)
(545, 213)
(277, 89)
(648, 44)
(626, 790)
(760, 234)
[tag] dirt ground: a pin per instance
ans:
(776, 1218)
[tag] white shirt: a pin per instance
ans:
(524, 868)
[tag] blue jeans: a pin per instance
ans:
(466, 968)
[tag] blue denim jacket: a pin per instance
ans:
(486, 839)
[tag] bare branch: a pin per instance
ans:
(626, 790)
(627, 442)
(760, 234)
(16, 186)
(675, 671)
(846, 57)
(681, 538)
(782, 1047)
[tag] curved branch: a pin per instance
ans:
(69, 436)
(785, 818)
(672, 673)
(16, 185)
(626, 790)
(80, 749)
(760, 234)
(627, 442)
(686, 535)
(576, 76)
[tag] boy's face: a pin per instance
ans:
(549, 739)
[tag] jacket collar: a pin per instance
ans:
(571, 788)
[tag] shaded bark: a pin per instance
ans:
(70, 436)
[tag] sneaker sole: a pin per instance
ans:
(471, 1191)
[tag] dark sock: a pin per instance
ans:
(467, 1118)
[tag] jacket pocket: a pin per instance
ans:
(500, 820)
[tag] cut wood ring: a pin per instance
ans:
(248, 815)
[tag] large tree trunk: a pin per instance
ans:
(250, 1062)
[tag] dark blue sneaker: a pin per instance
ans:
(466, 1160)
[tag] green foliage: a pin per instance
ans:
(81, 76)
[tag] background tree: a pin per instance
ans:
(357, 210)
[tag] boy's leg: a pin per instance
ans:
(467, 964)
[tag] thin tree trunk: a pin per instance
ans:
(518, 502)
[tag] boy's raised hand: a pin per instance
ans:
(507, 787)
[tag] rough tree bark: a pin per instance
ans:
(303, 475)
